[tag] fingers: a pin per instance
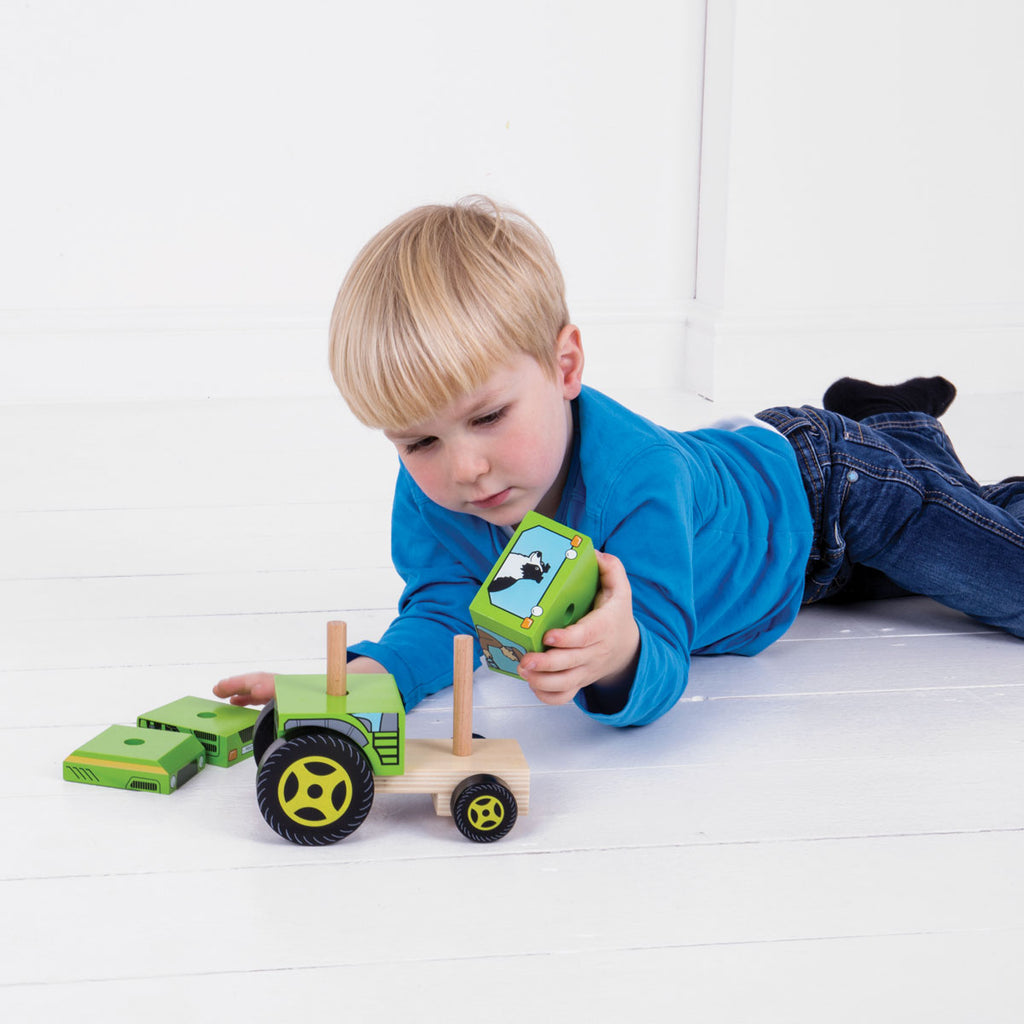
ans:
(231, 687)
(584, 633)
(614, 591)
(251, 688)
(552, 684)
(555, 697)
(602, 646)
(243, 700)
(556, 676)
(613, 579)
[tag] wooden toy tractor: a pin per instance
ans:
(327, 744)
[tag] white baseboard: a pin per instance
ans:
(154, 354)
(773, 358)
(750, 359)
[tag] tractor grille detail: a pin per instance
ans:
(386, 745)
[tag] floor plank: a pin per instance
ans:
(762, 892)
(841, 980)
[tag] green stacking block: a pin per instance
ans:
(224, 730)
(546, 578)
(127, 757)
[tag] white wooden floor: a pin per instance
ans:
(831, 831)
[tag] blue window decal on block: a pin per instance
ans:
(519, 585)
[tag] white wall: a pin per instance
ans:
(185, 184)
(182, 186)
(862, 208)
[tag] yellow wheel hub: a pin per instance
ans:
(315, 791)
(485, 813)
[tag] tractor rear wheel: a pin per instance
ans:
(484, 808)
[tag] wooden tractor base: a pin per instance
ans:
(327, 744)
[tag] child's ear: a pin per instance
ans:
(569, 356)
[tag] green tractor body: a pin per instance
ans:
(370, 715)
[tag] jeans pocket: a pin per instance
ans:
(903, 448)
(829, 569)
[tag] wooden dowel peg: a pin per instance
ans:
(462, 682)
(337, 659)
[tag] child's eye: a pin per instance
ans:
(491, 417)
(419, 446)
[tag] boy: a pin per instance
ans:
(450, 333)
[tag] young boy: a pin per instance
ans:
(450, 333)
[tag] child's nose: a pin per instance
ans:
(468, 464)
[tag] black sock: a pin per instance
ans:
(859, 398)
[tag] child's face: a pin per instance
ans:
(504, 448)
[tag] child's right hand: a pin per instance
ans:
(602, 648)
(250, 688)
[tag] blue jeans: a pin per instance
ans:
(890, 494)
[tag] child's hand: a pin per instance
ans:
(258, 687)
(602, 647)
(251, 688)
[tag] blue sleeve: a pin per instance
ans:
(443, 558)
(648, 520)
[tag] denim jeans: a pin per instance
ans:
(890, 494)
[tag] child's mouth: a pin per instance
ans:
(493, 500)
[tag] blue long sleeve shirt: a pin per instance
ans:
(712, 526)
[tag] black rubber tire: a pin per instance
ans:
(484, 808)
(314, 789)
(264, 732)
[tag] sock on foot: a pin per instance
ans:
(860, 398)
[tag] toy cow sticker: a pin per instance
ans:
(525, 573)
(519, 567)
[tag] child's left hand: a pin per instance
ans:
(603, 647)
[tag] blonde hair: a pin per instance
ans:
(437, 301)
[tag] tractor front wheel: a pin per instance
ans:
(315, 788)
(264, 732)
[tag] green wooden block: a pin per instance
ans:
(546, 578)
(127, 757)
(371, 714)
(224, 730)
